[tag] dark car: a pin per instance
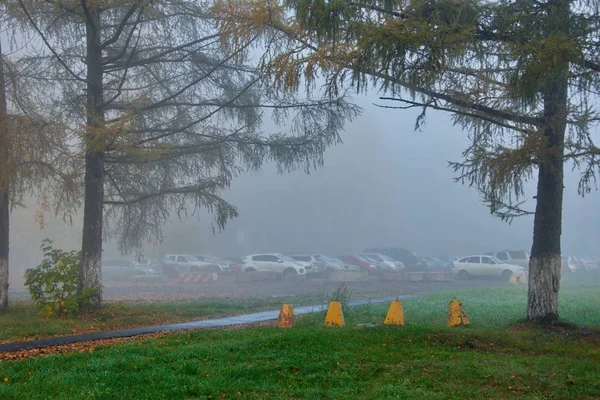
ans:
(121, 269)
(447, 259)
(235, 263)
(407, 257)
(434, 264)
(169, 267)
(223, 264)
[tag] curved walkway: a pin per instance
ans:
(202, 324)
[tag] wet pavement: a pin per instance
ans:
(203, 324)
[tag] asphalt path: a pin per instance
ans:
(203, 324)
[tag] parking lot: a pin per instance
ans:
(287, 289)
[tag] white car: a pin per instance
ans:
(568, 264)
(484, 265)
(272, 262)
(191, 263)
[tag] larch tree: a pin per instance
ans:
(34, 158)
(4, 189)
(169, 115)
(521, 77)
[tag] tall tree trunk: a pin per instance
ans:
(4, 231)
(95, 146)
(545, 262)
(5, 172)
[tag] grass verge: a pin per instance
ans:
(23, 322)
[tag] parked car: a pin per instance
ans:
(406, 257)
(514, 257)
(224, 265)
(121, 269)
(425, 264)
(436, 264)
(235, 263)
(170, 268)
(272, 262)
(190, 263)
(484, 265)
(321, 263)
(371, 267)
(165, 266)
(336, 263)
(567, 265)
(310, 263)
(588, 263)
(448, 259)
(382, 258)
(151, 266)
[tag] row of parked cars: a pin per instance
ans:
(172, 265)
(580, 264)
(507, 262)
(372, 260)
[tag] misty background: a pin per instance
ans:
(386, 185)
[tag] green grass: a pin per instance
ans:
(23, 321)
(490, 307)
(422, 360)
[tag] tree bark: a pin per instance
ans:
(95, 146)
(545, 262)
(4, 187)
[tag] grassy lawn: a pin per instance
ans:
(23, 321)
(494, 358)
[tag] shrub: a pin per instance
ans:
(53, 284)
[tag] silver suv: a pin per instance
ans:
(514, 257)
(272, 262)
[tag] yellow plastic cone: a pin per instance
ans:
(395, 314)
(286, 317)
(456, 314)
(513, 279)
(335, 315)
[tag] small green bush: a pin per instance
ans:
(53, 284)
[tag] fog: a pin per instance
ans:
(386, 185)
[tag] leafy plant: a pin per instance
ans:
(53, 284)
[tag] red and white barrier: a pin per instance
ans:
(197, 277)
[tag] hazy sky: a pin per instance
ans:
(386, 185)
